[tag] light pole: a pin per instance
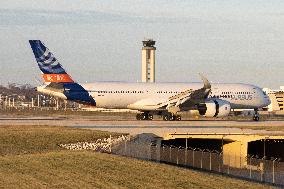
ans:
(185, 152)
(201, 162)
(193, 156)
(221, 153)
(273, 169)
(264, 147)
(163, 152)
(210, 157)
(250, 166)
(170, 153)
(178, 154)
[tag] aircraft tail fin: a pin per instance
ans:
(52, 70)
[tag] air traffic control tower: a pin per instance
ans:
(148, 60)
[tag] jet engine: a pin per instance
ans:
(214, 108)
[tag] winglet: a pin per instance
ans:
(206, 83)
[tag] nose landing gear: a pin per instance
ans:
(256, 115)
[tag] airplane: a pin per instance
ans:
(165, 99)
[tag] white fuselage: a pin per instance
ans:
(121, 95)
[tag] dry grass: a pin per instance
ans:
(95, 170)
(31, 158)
(56, 113)
(34, 139)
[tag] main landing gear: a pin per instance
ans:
(144, 116)
(166, 116)
(171, 117)
(256, 115)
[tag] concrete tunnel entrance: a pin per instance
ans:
(209, 144)
(270, 148)
(236, 145)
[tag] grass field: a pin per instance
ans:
(30, 158)
(34, 139)
(66, 114)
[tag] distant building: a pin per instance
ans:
(276, 98)
(148, 60)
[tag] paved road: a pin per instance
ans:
(72, 121)
(136, 127)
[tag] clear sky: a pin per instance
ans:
(227, 41)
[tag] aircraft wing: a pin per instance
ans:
(188, 98)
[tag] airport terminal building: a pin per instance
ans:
(277, 98)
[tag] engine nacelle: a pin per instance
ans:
(214, 108)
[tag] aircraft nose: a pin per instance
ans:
(266, 101)
(265, 98)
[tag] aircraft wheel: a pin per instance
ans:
(256, 118)
(150, 117)
(172, 117)
(256, 115)
(138, 116)
(144, 116)
(178, 118)
(166, 117)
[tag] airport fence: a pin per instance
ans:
(251, 168)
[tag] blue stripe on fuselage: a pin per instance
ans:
(75, 92)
